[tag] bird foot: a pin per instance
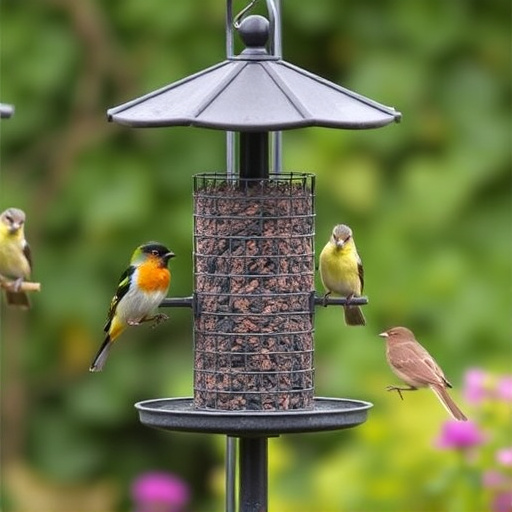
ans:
(158, 319)
(397, 389)
(348, 299)
(15, 285)
(324, 302)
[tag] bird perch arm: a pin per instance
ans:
(12, 286)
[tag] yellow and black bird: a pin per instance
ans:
(341, 271)
(15, 257)
(142, 287)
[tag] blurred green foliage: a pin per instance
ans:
(429, 201)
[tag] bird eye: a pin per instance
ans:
(154, 252)
(9, 219)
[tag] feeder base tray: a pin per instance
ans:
(179, 414)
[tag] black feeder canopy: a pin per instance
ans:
(254, 257)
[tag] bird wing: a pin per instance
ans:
(122, 289)
(28, 254)
(360, 271)
(429, 361)
(413, 360)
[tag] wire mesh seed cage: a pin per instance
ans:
(254, 278)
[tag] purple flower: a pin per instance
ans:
(476, 386)
(160, 491)
(504, 456)
(502, 502)
(459, 435)
(504, 388)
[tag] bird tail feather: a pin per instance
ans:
(101, 356)
(19, 299)
(448, 402)
(354, 315)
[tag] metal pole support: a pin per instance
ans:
(254, 155)
(253, 464)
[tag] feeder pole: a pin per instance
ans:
(253, 457)
(231, 442)
(274, 10)
(253, 474)
(254, 155)
(230, 136)
(231, 452)
(253, 451)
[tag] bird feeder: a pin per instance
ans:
(254, 250)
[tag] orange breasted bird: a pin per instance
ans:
(15, 257)
(142, 287)
(341, 271)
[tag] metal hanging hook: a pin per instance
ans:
(240, 15)
(274, 13)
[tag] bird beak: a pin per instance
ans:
(340, 243)
(14, 228)
(169, 255)
(384, 335)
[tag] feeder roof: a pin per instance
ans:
(254, 92)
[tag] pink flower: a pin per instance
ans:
(160, 491)
(502, 502)
(504, 388)
(476, 385)
(492, 479)
(504, 456)
(459, 435)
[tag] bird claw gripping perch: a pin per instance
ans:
(16, 285)
(348, 299)
(158, 319)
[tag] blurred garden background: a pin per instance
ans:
(429, 201)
